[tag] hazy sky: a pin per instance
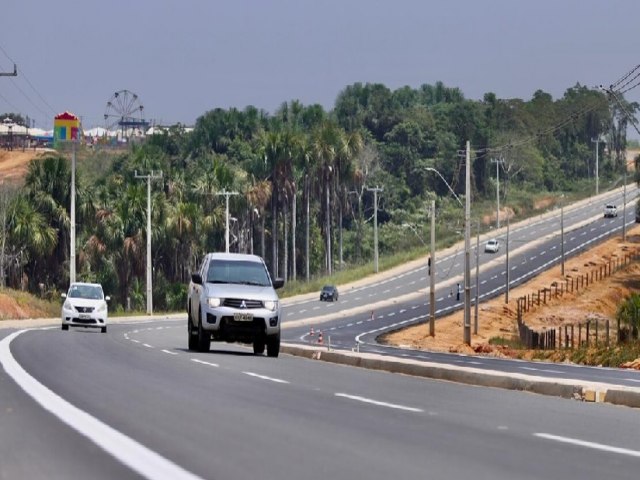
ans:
(186, 57)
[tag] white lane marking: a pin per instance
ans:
(632, 380)
(202, 362)
(376, 402)
(136, 456)
(146, 345)
(264, 377)
(135, 341)
(593, 445)
(170, 352)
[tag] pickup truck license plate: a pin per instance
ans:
(243, 317)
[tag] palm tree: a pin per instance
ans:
(350, 146)
(28, 228)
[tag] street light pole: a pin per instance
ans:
(149, 177)
(375, 191)
(467, 247)
(432, 273)
(597, 141)
(226, 233)
(466, 333)
(497, 161)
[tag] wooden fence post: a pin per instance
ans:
(587, 333)
(579, 335)
(572, 339)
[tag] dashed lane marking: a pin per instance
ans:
(379, 403)
(264, 377)
(592, 445)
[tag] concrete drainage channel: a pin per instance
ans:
(565, 388)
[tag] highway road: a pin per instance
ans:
(157, 410)
(535, 245)
(136, 403)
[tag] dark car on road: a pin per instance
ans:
(329, 293)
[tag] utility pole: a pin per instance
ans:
(432, 273)
(624, 205)
(506, 290)
(375, 191)
(475, 306)
(467, 247)
(151, 176)
(562, 239)
(597, 141)
(497, 161)
(10, 74)
(226, 233)
(72, 232)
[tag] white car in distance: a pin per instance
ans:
(492, 246)
(85, 305)
(610, 211)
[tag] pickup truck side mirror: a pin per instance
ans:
(278, 283)
(196, 278)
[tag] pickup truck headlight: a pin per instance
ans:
(271, 305)
(213, 302)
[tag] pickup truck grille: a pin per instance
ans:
(242, 303)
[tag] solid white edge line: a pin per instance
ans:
(376, 402)
(136, 456)
(593, 445)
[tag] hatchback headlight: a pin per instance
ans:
(102, 308)
(213, 302)
(271, 305)
(67, 305)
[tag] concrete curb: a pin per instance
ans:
(564, 388)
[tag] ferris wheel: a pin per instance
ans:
(125, 112)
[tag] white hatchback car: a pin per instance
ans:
(85, 306)
(492, 246)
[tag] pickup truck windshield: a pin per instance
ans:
(237, 271)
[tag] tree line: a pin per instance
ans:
(302, 176)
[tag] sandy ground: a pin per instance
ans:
(13, 165)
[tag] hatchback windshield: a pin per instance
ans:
(92, 292)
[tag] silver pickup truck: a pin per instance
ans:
(232, 299)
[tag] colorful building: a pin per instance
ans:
(66, 126)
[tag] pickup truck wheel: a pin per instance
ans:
(258, 347)
(191, 334)
(204, 337)
(273, 345)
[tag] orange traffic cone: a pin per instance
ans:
(320, 337)
(311, 333)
